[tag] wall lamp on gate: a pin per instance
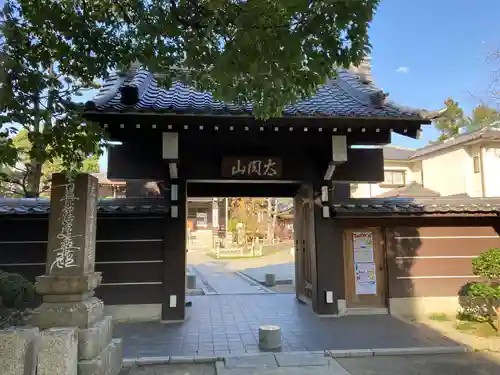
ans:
(172, 168)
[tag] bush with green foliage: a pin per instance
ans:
(485, 294)
(16, 291)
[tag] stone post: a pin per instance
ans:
(67, 288)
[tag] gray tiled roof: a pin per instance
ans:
(26, 206)
(413, 190)
(397, 153)
(484, 134)
(416, 207)
(348, 95)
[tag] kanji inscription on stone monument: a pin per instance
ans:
(72, 225)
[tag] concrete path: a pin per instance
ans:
(450, 364)
(222, 280)
(221, 276)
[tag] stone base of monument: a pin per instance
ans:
(269, 337)
(108, 362)
(97, 353)
(92, 340)
(19, 350)
(67, 314)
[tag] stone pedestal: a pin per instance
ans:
(67, 288)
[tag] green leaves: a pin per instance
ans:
(454, 119)
(482, 116)
(42, 71)
(487, 265)
(267, 52)
(449, 125)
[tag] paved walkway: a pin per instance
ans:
(221, 276)
(221, 280)
(284, 273)
(449, 364)
(228, 324)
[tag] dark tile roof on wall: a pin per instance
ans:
(26, 206)
(416, 207)
(350, 94)
(397, 153)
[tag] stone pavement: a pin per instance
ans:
(228, 324)
(315, 364)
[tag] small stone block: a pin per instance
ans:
(95, 338)
(67, 314)
(67, 284)
(270, 279)
(300, 359)
(109, 361)
(270, 337)
(58, 352)
(191, 281)
(18, 351)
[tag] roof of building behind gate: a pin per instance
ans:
(416, 207)
(27, 206)
(350, 94)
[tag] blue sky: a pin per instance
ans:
(427, 50)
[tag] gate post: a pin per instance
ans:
(327, 253)
(174, 250)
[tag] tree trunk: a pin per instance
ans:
(498, 319)
(33, 180)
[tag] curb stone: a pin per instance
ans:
(415, 350)
(253, 282)
(143, 361)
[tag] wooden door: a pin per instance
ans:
(365, 268)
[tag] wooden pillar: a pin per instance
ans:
(327, 255)
(174, 250)
(299, 242)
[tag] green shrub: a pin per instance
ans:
(485, 294)
(16, 291)
(487, 265)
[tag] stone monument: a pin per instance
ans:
(67, 288)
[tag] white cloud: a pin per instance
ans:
(403, 69)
